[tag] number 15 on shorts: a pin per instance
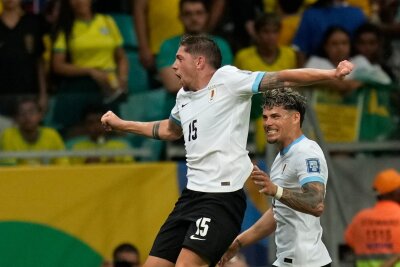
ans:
(202, 228)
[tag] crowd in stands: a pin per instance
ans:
(64, 64)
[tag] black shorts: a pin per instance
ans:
(205, 223)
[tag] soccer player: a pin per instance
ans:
(212, 113)
(297, 184)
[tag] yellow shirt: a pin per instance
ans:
(11, 140)
(92, 43)
(289, 29)
(163, 21)
(249, 59)
(87, 144)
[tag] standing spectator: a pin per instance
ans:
(89, 59)
(21, 64)
(319, 17)
(154, 25)
(375, 231)
(194, 16)
(28, 135)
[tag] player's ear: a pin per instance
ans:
(200, 62)
(296, 117)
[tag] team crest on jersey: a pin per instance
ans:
(313, 165)
(213, 93)
(104, 31)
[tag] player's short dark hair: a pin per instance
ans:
(288, 99)
(203, 45)
(125, 247)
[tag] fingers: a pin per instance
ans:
(105, 120)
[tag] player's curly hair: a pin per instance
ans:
(288, 99)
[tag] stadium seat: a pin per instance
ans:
(138, 80)
(146, 106)
(125, 25)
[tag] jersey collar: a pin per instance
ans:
(286, 149)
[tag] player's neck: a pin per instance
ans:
(203, 79)
(290, 139)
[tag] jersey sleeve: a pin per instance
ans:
(241, 82)
(175, 115)
(311, 166)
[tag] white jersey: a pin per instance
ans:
(298, 235)
(215, 124)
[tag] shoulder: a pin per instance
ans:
(50, 132)
(9, 132)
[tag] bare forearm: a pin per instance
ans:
(42, 78)
(265, 226)
(310, 200)
(67, 69)
(156, 129)
(295, 78)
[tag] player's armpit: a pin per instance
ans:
(310, 200)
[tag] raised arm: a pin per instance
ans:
(265, 226)
(309, 200)
(304, 77)
(164, 130)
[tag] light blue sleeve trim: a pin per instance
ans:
(257, 82)
(175, 120)
(312, 179)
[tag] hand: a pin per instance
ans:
(230, 253)
(146, 57)
(343, 69)
(110, 121)
(262, 179)
(101, 77)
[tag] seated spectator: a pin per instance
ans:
(89, 60)
(124, 255)
(97, 138)
(194, 17)
(28, 135)
(266, 55)
(21, 67)
(319, 17)
(368, 49)
(374, 232)
(335, 47)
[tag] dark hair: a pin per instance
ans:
(203, 45)
(327, 34)
(205, 4)
(367, 28)
(267, 19)
(290, 6)
(288, 99)
(125, 247)
(25, 99)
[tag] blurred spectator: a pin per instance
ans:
(88, 58)
(28, 135)
(375, 231)
(96, 138)
(21, 66)
(266, 55)
(335, 47)
(290, 12)
(194, 16)
(154, 25)
(319, 17)
(124, 255)
(237, 25)
(114, 6)
(368, 46)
